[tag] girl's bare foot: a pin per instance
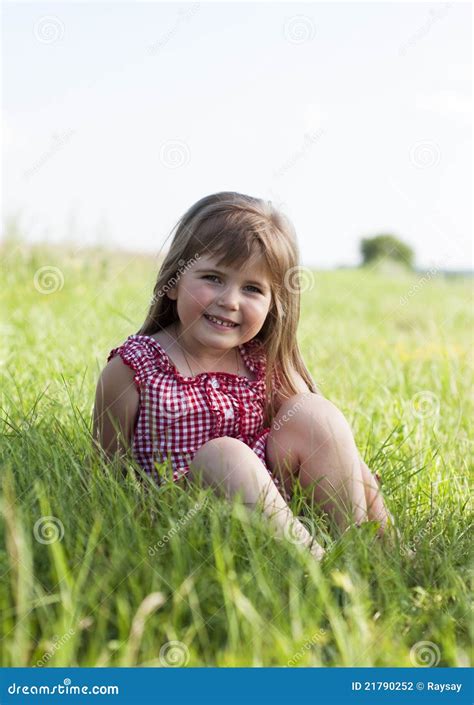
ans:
(298, 534)
(317, 551)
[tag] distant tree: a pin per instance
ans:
(383, 247)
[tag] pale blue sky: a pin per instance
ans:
(354, 116)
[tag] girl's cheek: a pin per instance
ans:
(202, 295)
(261, 309)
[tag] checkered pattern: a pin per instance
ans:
(178, 414)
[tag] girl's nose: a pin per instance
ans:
(229, 298)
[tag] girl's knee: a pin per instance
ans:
(219, 447)
(331, 423)
(315, 419)
(213, 458)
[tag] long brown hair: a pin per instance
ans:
(229, 225)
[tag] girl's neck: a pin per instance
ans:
(202, 358)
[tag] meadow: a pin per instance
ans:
(101, 568)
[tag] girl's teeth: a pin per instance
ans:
(220, 323)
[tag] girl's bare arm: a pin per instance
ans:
(116, 408)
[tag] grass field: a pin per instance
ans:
(103, 570)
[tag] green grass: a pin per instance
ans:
(136, 567)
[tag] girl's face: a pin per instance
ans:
(241, 296)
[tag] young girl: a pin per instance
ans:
(214, 380)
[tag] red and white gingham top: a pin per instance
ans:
(178, 414)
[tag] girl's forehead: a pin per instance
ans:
(255, 266)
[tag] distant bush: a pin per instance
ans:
(386, 247)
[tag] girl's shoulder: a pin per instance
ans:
(143, 354)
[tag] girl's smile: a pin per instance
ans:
(220, 323)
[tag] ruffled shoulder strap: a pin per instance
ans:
(255, 358)
(144, 355)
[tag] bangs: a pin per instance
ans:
(232, 244)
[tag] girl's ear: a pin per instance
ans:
(172, 293)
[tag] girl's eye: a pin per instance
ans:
(214, 276)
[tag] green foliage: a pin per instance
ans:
(386, 247)
(123, 568)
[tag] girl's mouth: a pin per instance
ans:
(215, 323)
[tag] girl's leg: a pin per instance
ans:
(310, 436)
(231, 467)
